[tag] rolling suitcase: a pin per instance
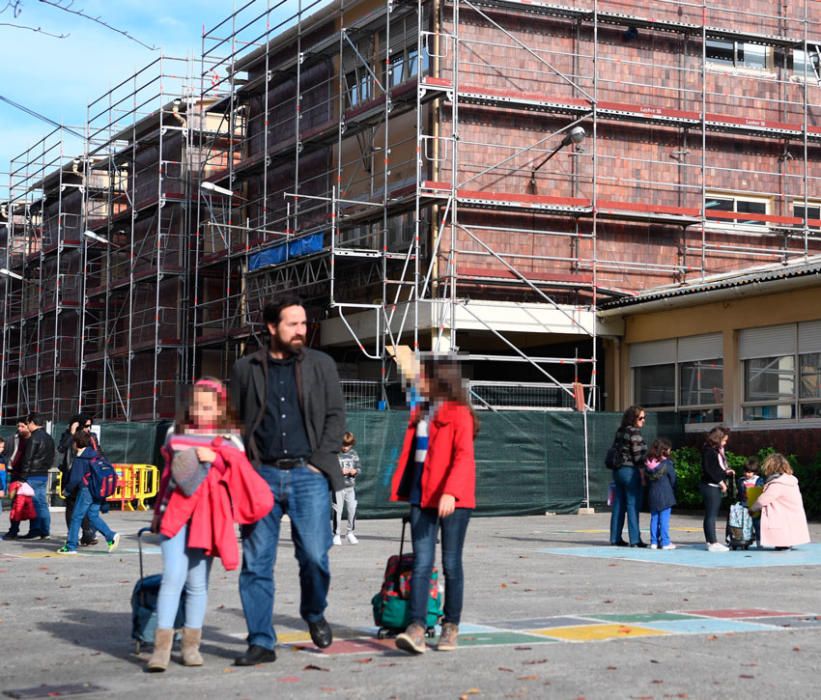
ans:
(391, 606)
(144, 603)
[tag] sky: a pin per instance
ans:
(60, 77)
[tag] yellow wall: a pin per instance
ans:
(727, 316)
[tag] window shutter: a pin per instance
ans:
(809, 336)
(658, 352)
(772, 341)
(700, 347)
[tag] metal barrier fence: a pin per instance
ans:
(136, 483)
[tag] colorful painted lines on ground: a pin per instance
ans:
(584, 628)
(695, 555)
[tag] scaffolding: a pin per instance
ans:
(137, 168)
(42, 288)
(414, 169)
(385, 159)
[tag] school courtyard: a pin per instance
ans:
(551, 611)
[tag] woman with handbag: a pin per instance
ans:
(629, 478)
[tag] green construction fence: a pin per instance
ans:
(528, 462)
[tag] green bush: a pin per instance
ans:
(688, 473)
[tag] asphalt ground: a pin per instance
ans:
(539, 621)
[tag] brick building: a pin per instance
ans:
(416, 171)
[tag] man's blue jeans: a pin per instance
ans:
(628, 501)
(424, 525)
(303, 495)
(84, 505)
(41, 525)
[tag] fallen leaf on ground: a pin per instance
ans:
(505, 669)
(612, 668)
(796, 648)
(502, 585)
(366, 660)
(529, 678)
(533, 662)
(314, 667)
(746, 675)
(522, 648)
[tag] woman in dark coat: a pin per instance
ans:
(629, 478)
(714, 478)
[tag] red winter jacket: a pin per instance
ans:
(232, 492)
(449, 465)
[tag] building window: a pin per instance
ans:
(738, 54)
(805, 64)
(685, 375)
(811, 214)
(737, 203)
(782, 372)
(359, 86)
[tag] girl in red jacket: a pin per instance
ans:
(208, 484)
(436, 474)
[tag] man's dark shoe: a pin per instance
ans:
(639, 544)
(88, 543)
(31, 536)
(321, 633)
(10, 536)
(256, 655)
(620, 543)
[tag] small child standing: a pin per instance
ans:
(750, 487)
(661, 494)
(783, 520)
(85, 504)
(351, 466)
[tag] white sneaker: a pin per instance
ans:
(352, 538)
(669, 546)
(717, 547)
(337, 540)
(654, 546)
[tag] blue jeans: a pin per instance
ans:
(302, 494)
(84, 505)
(41, 525)
(628, 502)
(424, 524)
(660, 527)
(182, 567)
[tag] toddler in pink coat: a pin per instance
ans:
(783, 521)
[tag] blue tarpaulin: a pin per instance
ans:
(285, 251)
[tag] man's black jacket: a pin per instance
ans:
(320, 400)
(39, 455)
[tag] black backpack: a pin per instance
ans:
(613, 458)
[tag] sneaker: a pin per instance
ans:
(352, 539)
(412, 639)
(114, 542)
(447, 640)
(337, 540)
(669, 546)
(717, 547)
(654, 546)
(65, 550)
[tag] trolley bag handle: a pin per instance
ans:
(405, 521)
(140, 534)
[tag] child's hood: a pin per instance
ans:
(785, 480)
(88, 453)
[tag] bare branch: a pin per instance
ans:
(39, 30)
(16, 7)
(67, 7)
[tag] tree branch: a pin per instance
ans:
(59, 4)
(39, 30)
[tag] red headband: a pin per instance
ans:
(213, 385)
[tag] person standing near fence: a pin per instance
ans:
(715, 475)
(292, 412)
(629, 478)
(3, 475)
(38, 459)
(351, 467)
(436, 474)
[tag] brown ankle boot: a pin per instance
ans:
(191, 646)
(412, 639)
(447, 640)
(163, 640)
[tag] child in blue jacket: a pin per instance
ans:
(85, 503)
(661, 494)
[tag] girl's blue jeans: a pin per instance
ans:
(660, 527)
(182, 567)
